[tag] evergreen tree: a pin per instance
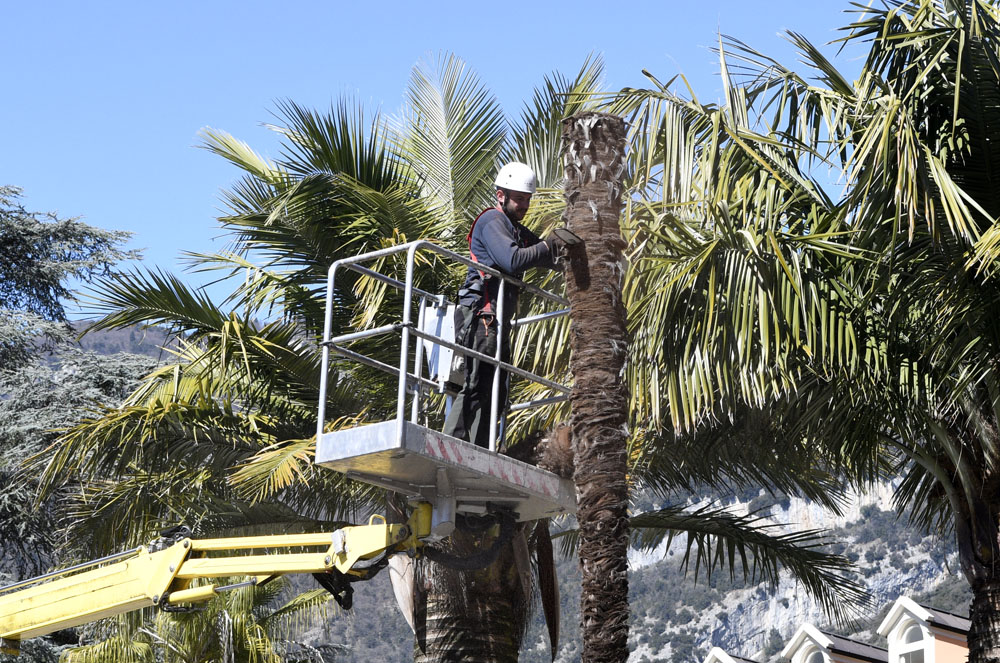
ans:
(46, 380)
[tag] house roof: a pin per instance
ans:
(949, 620)
(856, 649)
(804, 632)
(719, 655)
(905, 605)
(835, 644)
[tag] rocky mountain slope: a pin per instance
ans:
(681, 619)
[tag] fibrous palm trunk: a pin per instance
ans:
(984, 631)
(476, 616)
(979, 550)
(593, 150)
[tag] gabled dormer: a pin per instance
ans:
(918, 634)
(718, 655)
(810, 645)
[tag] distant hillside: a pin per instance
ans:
(133, 340)
(678, 619)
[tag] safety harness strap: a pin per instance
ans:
(488, 307)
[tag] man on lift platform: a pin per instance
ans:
(497, 239)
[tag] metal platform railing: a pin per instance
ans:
(414, 381)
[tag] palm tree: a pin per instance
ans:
(246, 625)
(594, 158)
(698, 196)
(927, 205)
(887, 361)
(221, 436)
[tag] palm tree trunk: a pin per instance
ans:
(984, 631)
(593, 149)
(475, 616)
(979, 550)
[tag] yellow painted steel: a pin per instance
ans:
(193, 595)
(254, 565)
(109, 590)
(365, 541)
(420, 520)
(146, 578)
(273, 541)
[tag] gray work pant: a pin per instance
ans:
(469, 417)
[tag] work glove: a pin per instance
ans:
(557, 246)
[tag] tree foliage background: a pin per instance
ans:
(763, 303)
(222, 435)
(47, 381)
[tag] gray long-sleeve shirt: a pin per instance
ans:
(505, 245)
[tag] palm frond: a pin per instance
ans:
(536, 136)
(717, 539)
(451, 135)
(341, 142)
(118, 649)
(279, 466)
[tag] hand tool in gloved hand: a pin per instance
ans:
(560, 240)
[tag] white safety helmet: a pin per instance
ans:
(516, 176)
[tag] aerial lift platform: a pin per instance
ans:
(427, 465)
(440, 475)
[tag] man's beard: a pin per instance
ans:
(512, 215)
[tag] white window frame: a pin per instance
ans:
(897, 648)
(807, 652)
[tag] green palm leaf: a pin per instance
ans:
(451, 135)
(717, 539)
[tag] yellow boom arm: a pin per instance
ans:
(148, 577)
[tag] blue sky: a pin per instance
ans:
(104, 100)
